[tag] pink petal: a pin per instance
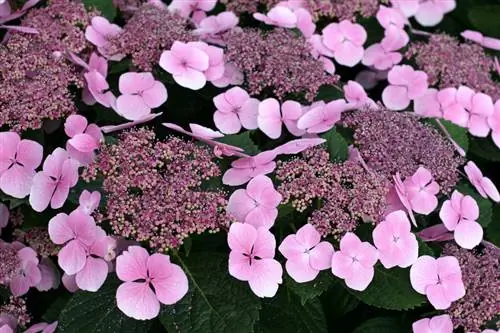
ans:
(17, 181)
(59, 196)
(348, 54)
(265, 244)
(269, 118)
(490, 189)
(227, 123)
(75, 124)
(342, 265)
(50, 277)
(92, 275)
(449, 216)
(478, 126)
(169, 280)
(291, 249)
(423, 203)
(137, 300)
(428, 15)
(195, 57)
(423, 273)
(469, 208)
(241, 237)
(262, 216)
(69, 282)
(191, 79)
(266, 276)
(448, 267)
(84, 143)
(248, 113)
(83, 226)
(60, 231)
(468, 234)
(360, 278)
(298, 145)
(72, 257)
(308, 236)
(239, 266)
(235, 177)
(134, 83)
(155, 96)
(441, 324)
(19, 285)
(240, 204)
(282, 17)
(93, 36)
(436, 296)
(132, 107)
(350, 243)
(320, 257)
(29, 154)
(132, 264)
(300, 270)
(8, 142)
(395, 97)
(261, 189)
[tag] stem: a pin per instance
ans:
(445, 131)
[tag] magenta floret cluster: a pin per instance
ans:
(153, 189)
(38, 239)
(17, 309)
(346, 193)
(10, 262)
(277, 60)
(392, 142)
(343, 10)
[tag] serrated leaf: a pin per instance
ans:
(309, 290)
(493, 230)
(285, 314)
(339, 300)
(216, 302)
(485, 205)
(390, 289)
(485, 19)
(241, 140)
(97, 312)
(106, 7)
(424, 249)
(328, 93)
(485, 148)
(336, 144)
(382, 325)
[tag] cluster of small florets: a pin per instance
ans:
(481, 277)
(149, 32)
(246, 6)
(10, 262)
(342, 9)
(392, 142)
(278, 60)
(35, 77)
(17, 309)
(153, 189)
(449, 63)
(348, 193)
(38, 239)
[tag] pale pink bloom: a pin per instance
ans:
(84, 139)
(459, 214)
(388, 17)
(69, 282)
(383, 55)
(439, 279)
(405, 84)
(246, 168)
(321, 118)
(187, 64)
(235, 109)
(437, 324)
(494, 123)
(396, 244)
(145, 119)
(279, 16)
(479, 107)
(186, 7)
(98, 88)
(428, 104)
(476, 36)
(421, 191)
(345, 40)
(42, 328)
(7, 323)
(140, 93)
(231, 76)
(96, 63)
(252, 258)
(207, 136)
(483, 185)
(141, 273)
(321, 52)
(435, 233)
(216, 62)
(357, 97)
(355, 262)
(397, 198)
(77, 232)
(4, 216)
(298, 145)
(89, 201)
(271, 117)
(52, 185)
(18, 161)
(28, 275)
(305, 22)
(257, 204)
(211, 27)
(99, 33)
(305, 253)
(430, 12)
(50, 276)
(407, 7)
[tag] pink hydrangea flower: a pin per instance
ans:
(396, 244)
(141, 273)
(321, 52)
(52, 185)
(391, 16)
(430, 12)
(345, 40)
(494, 123)
(99, 32)
(428, 105)
(98, 88)
(439, 279)
(257, 204)
(187, 64)
(230, 76)
(96, 63)
(483, 185)
(28, 275)
(476, 36)
(18, 161)
(479, 107)
(252, 258)
(244, 169)
(84, 139)
(271, 117)
(42, 328)
(211, 27)
(322, 117)
(355, 262)
(89, 201)
(216, 62)
(235, 109)
(140, 93)
(405, 85)
(421, 191)
(186, 7)
(280, 16)
(383, 55)
(459, 214)
(357, 97)
(437, 324)
(305, 253)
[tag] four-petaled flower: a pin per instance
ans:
(483, 185)
(345, 40)
(235, 109)
(437, 324)
(405, 85)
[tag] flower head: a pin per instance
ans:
(483, 185)
(235, 109)
(89, 201)
(421, 191)
(437, 324)
(322, 117)
(345, 40)
(84, 139)
(405, 84)
(100, 31)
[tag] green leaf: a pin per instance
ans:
(493, 230)
(485, 19)
(328, 93)
(424, 249)
(241, 140)
(336, 144)
(309, 290)
(339, 300)
(382, 325)
(54, 310)
(485, 148)
(390, 289)
(485, 205)
(285, 314)
(457, 133)
(106, 7)
(216, 302)
(97, 312)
